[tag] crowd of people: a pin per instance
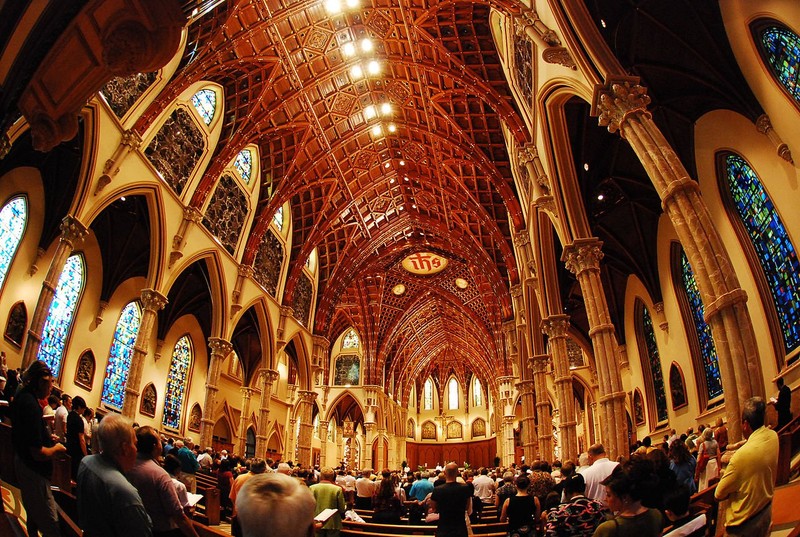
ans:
(133, 481)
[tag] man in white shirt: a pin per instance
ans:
(60, 427)
(205, 460)
(364, 490)
(600, 469)
(484, 486)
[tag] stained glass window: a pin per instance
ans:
(277, 219)
(708, 351)
(654, 361)
(244, 164)
(774, 248)
(59, 318)
(205, 102)
(350, 340)
(347, 370)
(176, 382)
(427, 395)
(452, 393)
(119, 359)
(12, 224)
(781, 48)
(477, 392)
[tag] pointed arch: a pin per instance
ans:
(651, 365)
(453, 394)
(427, 394)
(177, 381)
(120, 355)
(13, 221)
(779, 48)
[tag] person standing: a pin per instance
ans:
(749, 479)
(108, 505)
(521, 510)
(599, 469)
(34, 450)
(365, 488)
(76, 434)
(721, 435)
(329, 495)
(60, 426)
(707, 457)
(578, 516)
(484, 486)
(451, 500)
(189, 464)
(783, 404)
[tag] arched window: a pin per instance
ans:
(452, 394)
(205, 102)
(176, 382)
(119, 359)
(350, 340)
(780, 49)
(477, 392)
(704, 353)
(770, 242)
(59, 318)
(277, 218)
(427, 395)
(244, 164)
(13, 218)
(651, 366)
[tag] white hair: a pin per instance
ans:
(275, 505)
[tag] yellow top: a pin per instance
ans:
(748, 481)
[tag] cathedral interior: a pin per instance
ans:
(378, 231)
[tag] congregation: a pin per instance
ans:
(133, 481)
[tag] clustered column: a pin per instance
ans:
(72, 233)
(247, 393)
(582, 258)
(538, 365)
(555, 327)
(528, 422)
(622, 106)
(267, 378)
(152, 303)
(220, 349)
(307, 399)
(323, 437)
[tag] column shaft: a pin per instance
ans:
(220, 349)
(152, 302)
(267, 378)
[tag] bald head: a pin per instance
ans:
(451, 472)
(279, 499)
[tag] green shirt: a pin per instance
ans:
(647, 524)
(329, 496)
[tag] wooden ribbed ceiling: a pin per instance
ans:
(439, 182)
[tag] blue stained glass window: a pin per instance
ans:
(119, 359)
(13, 218)
(427, 395)
(244, 164)
(277, 219)
(655, 366)
(782, 53)
(708, 351)
(176, 382)
(350, 340)
(59, 318)
(205, 102)
(772, 244)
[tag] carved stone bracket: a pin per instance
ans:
(617, 100)
(764, 126)
(130, 142)
(190, 214)
(559, 56)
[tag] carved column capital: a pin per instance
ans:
(307, 397)
(617, 100)
(219, 347)
(582, 255)
(246, 271)
(286, 311)
(247, 393)
(516, 291)
(555, 326)
(764, 126)
(321, 342)
(539, 363)
(526, 153)
(152, 300)
(131, 139)
(72, 230)
(268, 376)
(521, 238)
(192, 214)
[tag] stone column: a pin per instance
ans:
(323, 440)
(528, 421)
(267, 378)
(528, 156)
(369, 439)
(306, 427)
(538, 365)
(320, 359)
(220, 349)
(152, 303)
(508, 436)
(286, 312)
(555, 327)
(72, 234)
(247, 393)
(291, 442)
(582, 258)
(340, 444)
(622, 106)
(529, 24)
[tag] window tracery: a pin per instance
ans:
(452, 394)
(226, 214)
(302, 299)
(62, 309)
(244, 164)
(119, 358)
(205, 102)
(176, 149)
(122, 92)
(477, 393)
(347, 370)
(427, 395)
(13, 218)
(268, 263)
(176, 384)
(780, 48)
(350, 340)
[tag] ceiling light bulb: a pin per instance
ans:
(348, 49)
(402, 163)
(405, 178)
(392, 127)
(386, 165)
(366, 45)
(414, 206)
(376, 130)
(356, 71)
(333, 6)
(386, 109)
(373, 67)
(600, 197)
(369, 112)
(391, 181)
(586, 166)
(352, 3)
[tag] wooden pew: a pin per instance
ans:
(208, 509)
(788, 446)
(406, 529)
(704, 500)
(206, 531)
